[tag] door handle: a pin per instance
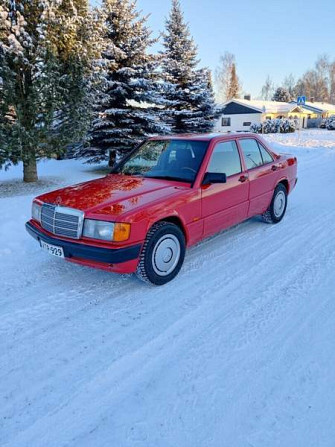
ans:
(274, 167)
(243, 178)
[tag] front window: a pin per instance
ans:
(167, 159)
(225, 159)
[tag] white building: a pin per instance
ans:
(239, 114)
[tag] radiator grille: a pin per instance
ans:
(62, 221)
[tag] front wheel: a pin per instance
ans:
(277, 208)
(162, 254)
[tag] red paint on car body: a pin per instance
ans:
(200, 210)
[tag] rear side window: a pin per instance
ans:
(265, 155)
(251, 152)
(225, 159)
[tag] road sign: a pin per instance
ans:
(301, 100)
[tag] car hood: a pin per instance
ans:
(113, 195)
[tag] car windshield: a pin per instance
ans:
(167, 159)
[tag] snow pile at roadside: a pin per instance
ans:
(309, 138)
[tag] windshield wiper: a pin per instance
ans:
(169, 177)
(127, 173)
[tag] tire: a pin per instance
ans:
(277, 208)
(162, 254)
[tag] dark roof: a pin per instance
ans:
(234, 108)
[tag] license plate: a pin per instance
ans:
(53, 249)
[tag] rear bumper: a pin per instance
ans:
(89, 254)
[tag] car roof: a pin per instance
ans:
(201, 136)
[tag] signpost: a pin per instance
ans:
(301, 101)
(263, 110)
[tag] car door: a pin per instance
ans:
(225, 204)
(262, 174)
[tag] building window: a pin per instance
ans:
(225, 122)
(247, 123)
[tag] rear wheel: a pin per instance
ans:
(162, 254)
(277, 208)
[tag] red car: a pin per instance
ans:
(169, 193)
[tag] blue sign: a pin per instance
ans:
(301, 100)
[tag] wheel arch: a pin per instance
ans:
(285, 183)
(176, 220)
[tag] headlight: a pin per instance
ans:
(107, 231)
(98, 229)
(36, 211)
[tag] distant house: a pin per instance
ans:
(317, 111)
(239, 114)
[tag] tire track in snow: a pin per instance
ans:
(171, 337)
(218, 320)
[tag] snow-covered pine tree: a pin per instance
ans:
(44, 47)
(281, 95)
(189, 90)
(202, 99)
(130, 104)
(76, 38)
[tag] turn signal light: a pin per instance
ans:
(121, 232)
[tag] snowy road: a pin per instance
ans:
(237, 351)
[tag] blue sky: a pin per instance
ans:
(275, 37)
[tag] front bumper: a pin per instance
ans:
(76, 251)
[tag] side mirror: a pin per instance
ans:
(214, 177)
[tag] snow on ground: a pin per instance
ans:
(312, 138)
(237, 351)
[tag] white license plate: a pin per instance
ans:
(52, 249)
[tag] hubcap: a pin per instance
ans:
(279, 204)
(166, 255)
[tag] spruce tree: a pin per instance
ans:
(45, 47)
(189, 90)
(129, 106)
(281, 95)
